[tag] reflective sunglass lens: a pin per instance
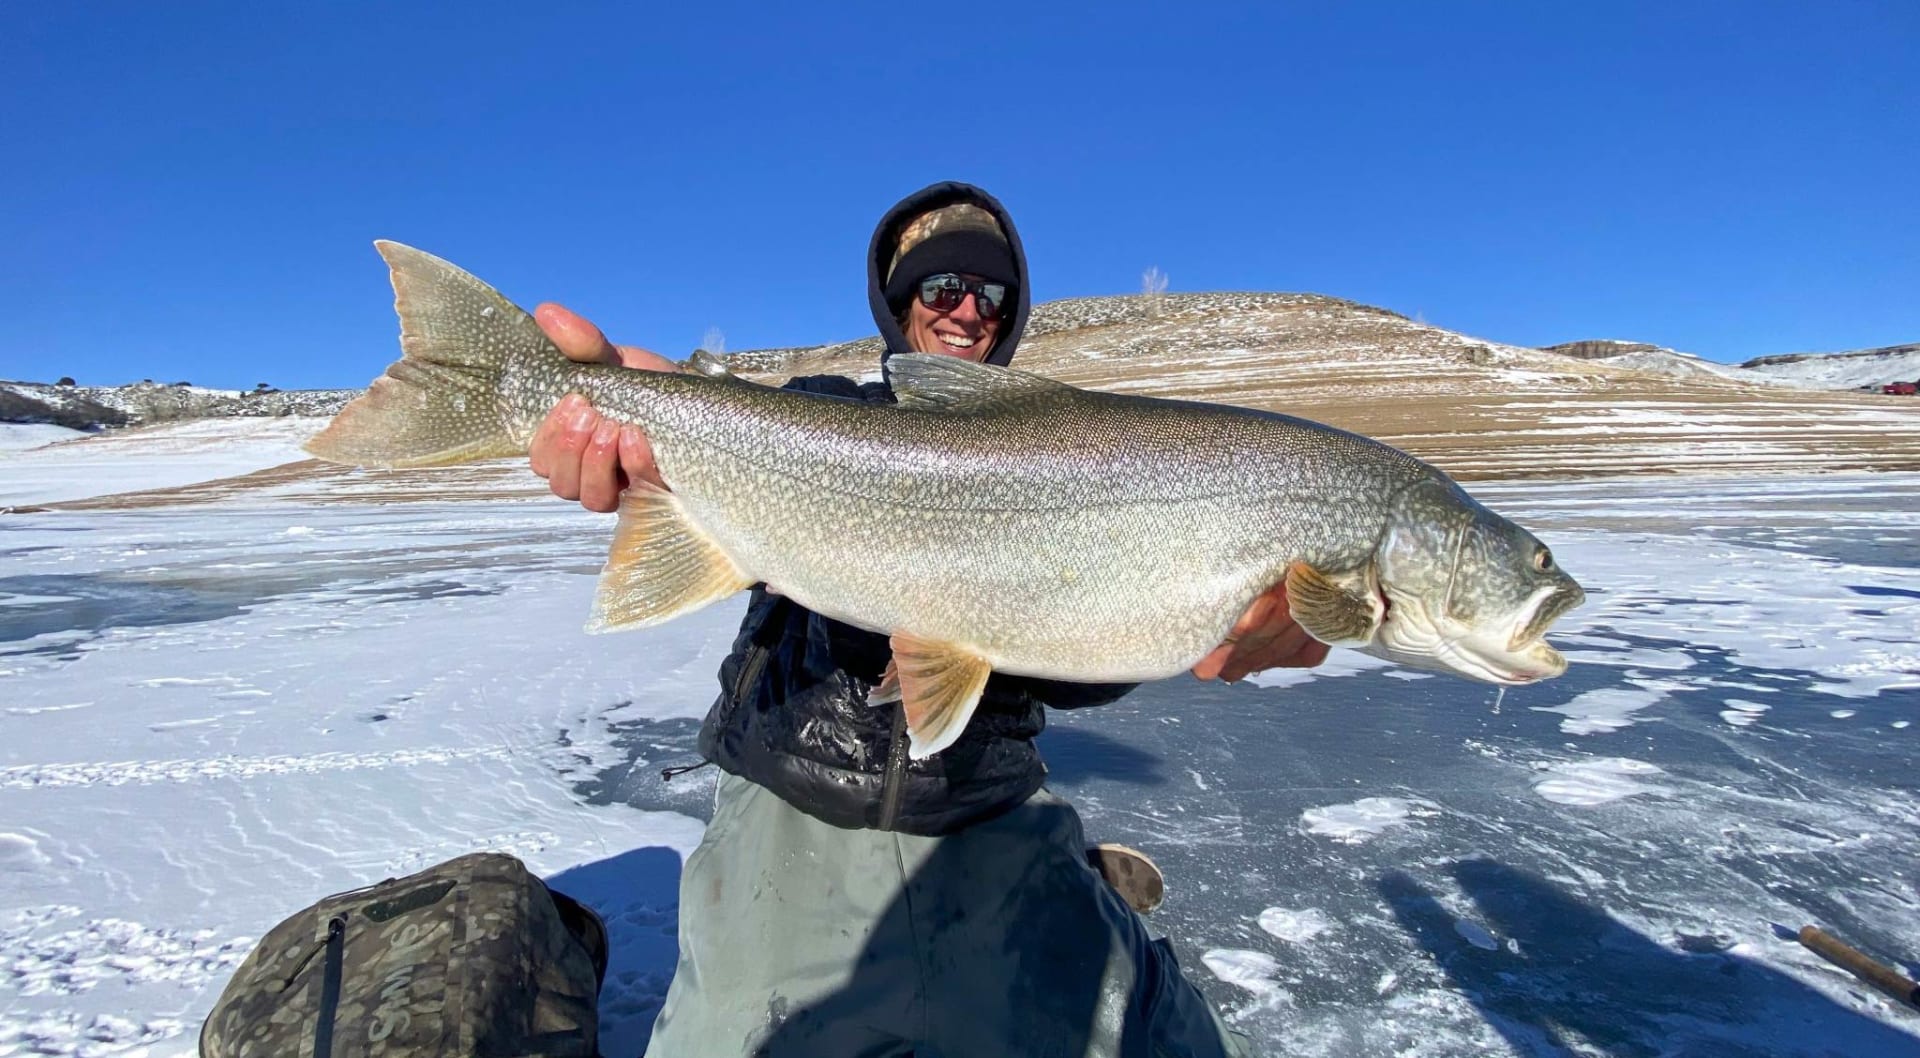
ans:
(944, 293)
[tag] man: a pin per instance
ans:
(847, 900)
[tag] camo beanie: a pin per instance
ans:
(961, 237)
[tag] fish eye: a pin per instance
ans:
(1543, 560)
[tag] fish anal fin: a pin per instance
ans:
(1340, 610)
(660, 566)
(940, 684)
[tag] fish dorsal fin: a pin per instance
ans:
(708, 364)
(948, 383)
(940, 684)
(661, 565)
(1340, 610)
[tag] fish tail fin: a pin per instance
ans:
(440, 403)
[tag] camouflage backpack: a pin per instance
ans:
(474, 958)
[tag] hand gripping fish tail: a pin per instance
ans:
(990, 521)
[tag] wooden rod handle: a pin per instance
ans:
(1839, 953)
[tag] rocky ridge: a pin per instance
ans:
(143, 403)
(1845, 370)
(1658, 360)
(1601, 348)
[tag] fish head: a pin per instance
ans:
(1467, 591)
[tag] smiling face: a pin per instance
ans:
(960, 333)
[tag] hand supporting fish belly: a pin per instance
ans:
(992, 520)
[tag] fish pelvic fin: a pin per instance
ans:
(940, 685)
(440, 403)
(1339, 610)
(661, 565)
(887, 691)
(948, 383)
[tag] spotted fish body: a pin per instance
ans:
(992, 520)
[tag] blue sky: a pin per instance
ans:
(190, 191)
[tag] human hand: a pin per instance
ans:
(583, 455)
(1265, 637)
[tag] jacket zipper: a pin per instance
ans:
(330, 987)
(749, 672)
(894, 788)
(757, 657)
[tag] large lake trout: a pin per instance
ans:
(991, 520)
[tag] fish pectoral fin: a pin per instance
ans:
(661, 565)
(940, 684)
(948, 383)
(1340, 611)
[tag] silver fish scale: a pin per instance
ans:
(1070, 534)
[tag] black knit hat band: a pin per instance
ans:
(967, 251)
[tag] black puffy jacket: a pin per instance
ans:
(793, 713)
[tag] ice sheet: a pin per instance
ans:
(210, 716)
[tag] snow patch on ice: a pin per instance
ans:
(1365, 819)
(1742, 713)
(1251, 970)
(1296, 927)
(1475, 934)
(1606, 709)
(1596, 782)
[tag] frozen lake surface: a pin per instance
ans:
(212, 715)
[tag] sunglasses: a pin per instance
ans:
(945, 292)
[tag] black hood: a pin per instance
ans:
(886, 236)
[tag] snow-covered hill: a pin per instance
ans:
(1848, 370)
(1477, 408)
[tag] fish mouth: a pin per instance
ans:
(1529, 635)
(1528, 657)
(1489, 652)
(1540, 662)
(1483, 661)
